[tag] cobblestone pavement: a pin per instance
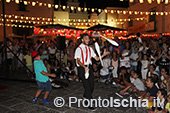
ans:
(18, 98)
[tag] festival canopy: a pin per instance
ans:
(56, 26)
(68, 32)
(100, 27)
(56, 30)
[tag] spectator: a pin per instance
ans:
(160, 101)
(55, 68)
(151, 91)
(114, 63)
(145, 66)
(152, 71)
(9, 55)
(165, 79)
(52, 50)
(71, 73)
(47, 65)
(44, 53)
(21, 57)
(96, 72)
(28, 60)
(167, 107)
(134, 59)
(124, 77)
(104, 72)
(126, 52)
(15, 60)
(164, 57)
(139, 66)
(136, 86)
(144, 47)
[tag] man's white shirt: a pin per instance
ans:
(78, 54)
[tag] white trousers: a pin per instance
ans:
(115, 72)
(144, 73)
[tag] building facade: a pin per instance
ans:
(154, 22)
(109, 17)
(22, 16)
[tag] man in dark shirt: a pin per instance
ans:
(151, 91)
(151, 88)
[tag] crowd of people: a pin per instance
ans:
(139, 66)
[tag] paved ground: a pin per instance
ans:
(18, 98)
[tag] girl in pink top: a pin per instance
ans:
(114, 63)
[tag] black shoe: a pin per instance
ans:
(92, 108)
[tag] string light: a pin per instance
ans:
(85, 9)
(99, 10)
(130, 12)
(25, 2)
(49, 5)
(149, 1)
(158, 1)
(141, 1)
(8, 1)
(131, 1)
(166, 1)
(92, 10)
(64, 7)
(40, 4)
(79, 9)
(136, 12)
(72, 8)
(33, 3)
(166, 13)
(17, 1)
(147, 13)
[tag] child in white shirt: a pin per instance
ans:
(144, 69)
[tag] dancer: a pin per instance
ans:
(42, 78)
(83, 55)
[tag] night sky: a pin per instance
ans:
(102, 4)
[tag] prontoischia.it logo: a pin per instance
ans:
(99, 102)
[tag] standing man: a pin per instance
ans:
(83, 55)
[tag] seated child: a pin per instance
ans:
(65, 71)
(71, 74)
(167, 107)
(55, 68)
(160, 101)
(47, 65)
(136, 85)
(123, 78)
(96, 72)
(114, 63)
(28, 60)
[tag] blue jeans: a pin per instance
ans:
(44, 85)
(133, 67)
